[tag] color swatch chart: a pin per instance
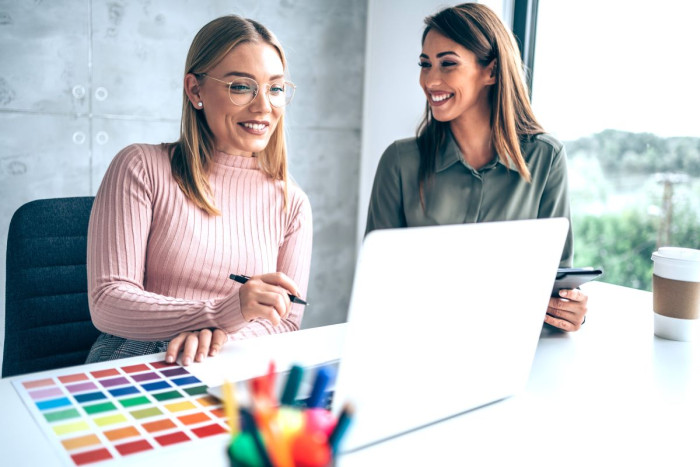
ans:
(122, 411)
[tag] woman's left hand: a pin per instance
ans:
(195, 345)
(568, 312)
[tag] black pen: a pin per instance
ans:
(243, 279)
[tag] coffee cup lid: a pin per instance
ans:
(681, 264)
(677, 253)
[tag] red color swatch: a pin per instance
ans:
(91, 456)
(102, 373)
(208, 430)
(135, 368)
(172, 438)
(135, 446)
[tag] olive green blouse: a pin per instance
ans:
(461, 194)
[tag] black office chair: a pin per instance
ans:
(47, 319)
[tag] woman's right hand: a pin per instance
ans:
(267, 296)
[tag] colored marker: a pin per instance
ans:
(292, 386)
(252, 430)
(318, 392)
(341, 427)
(311, 450)
(277, 446)
(241, 279)
(231, 408)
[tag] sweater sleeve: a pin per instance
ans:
(294, 260)
(118, 234)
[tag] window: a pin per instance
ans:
(617, 82)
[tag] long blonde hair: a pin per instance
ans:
(193, 152)
(480, 30)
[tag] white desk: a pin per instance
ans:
(610, 394)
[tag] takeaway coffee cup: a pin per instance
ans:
(676, 292)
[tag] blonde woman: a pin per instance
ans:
(172, 221)
(479, 155)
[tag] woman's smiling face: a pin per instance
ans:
(453, 81)
(242, 130)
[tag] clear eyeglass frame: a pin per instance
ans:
(248, 89)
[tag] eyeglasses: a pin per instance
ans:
(242, 91)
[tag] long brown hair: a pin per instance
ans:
(480, 30)
(193, 152)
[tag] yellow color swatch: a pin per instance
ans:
(80, 442)
(110, 419)
(180, 406)
(70, 427)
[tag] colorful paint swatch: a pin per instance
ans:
(99, 408)
(40, 383)
(179, 371)
(180, 406)
(108, 383)
(145, 413)
(186, 380)
(133, 447)
(106, 414)
(105, 373)
(162, 364)
(166, 396)
(91, 457)
(121, 433)
(110, 419)
(125, 391)
(145, 377)
(172, 438)
(158, 425)
(197, 417)
(196, 390)
(60, 415)
(135, 368)
(81, 387)
(156, 386)
(46, 393)
(73, 427)
(134, 401)
(80, 442)
(90, 396)
(66, 379)
(209, 430)
(53, 403)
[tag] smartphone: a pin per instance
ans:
(570, 278)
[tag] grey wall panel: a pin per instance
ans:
(44, 50)
(139, 50)
(42, 155)
(325, 163)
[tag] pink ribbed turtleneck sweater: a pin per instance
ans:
(158, 265)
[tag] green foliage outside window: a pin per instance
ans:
(630, 194)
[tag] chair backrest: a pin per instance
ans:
(47, 319)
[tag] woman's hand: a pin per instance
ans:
(267, 296)
(195, 345)
(569, 312)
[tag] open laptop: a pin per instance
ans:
(443, 320)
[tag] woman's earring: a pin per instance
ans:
(200, 103)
